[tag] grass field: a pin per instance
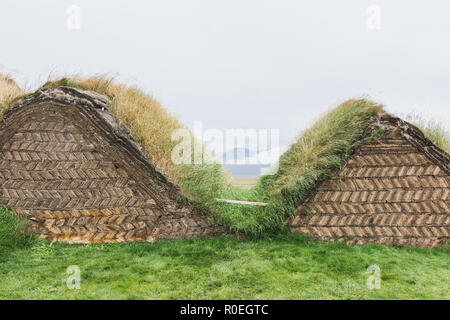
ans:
(285, 267)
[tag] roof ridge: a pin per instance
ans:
(417, 138)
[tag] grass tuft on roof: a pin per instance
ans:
(9, 91)
(319, 152)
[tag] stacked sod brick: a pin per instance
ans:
(392, 191)
(75, 171)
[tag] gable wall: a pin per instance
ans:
(388, 192)
(75, 186)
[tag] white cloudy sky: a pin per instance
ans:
(247, 63)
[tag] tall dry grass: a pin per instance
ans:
(149, 122)
(433, 130)
(9, 91)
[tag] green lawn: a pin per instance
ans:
(286, 267)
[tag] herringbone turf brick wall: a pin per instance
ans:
(389, 192)
(69, 166)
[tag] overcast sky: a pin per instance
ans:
(247, 63)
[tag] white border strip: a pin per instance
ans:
(262, 204)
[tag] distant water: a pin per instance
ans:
(245, 171)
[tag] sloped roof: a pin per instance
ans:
(394, 190)
(94, 106)
(76, 171)
(416, 137)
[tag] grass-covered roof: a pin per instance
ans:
(319, 152)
